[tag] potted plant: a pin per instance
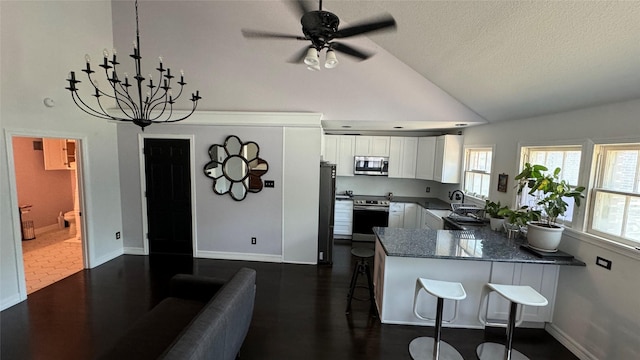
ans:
(496, 214)
(550, 193)
(517, 220)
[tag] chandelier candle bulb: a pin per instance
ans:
(133, 107)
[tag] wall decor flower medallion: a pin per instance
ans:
(236, 168)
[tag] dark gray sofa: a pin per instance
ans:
(203, 318)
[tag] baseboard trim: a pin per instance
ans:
(238, 256)
(134, 251)
(568, 342)
(103, 259)
(44, 229)
(10, 301)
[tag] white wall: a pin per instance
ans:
(596, 310)
(224, 227)
(39, 48)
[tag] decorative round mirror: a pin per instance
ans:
(236, 168)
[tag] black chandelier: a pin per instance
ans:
(154, 107)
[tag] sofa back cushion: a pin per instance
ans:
(220, 329)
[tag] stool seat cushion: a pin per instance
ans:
(521, 294)
(362, 252)
(443, 289)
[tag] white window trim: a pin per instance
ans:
(476, 200)
(584, 176)
(594, 180)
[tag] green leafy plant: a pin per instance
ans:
(495, 210)
(522, 216)
(549, 191)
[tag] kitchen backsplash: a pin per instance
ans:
(379, 185)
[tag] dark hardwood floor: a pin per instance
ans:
(299, 314)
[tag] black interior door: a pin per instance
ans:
(168, 185)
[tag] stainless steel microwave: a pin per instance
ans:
(371, 165)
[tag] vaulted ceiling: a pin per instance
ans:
(448, 62)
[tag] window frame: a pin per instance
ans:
(578, 217)
(466, 150)
(595, 187)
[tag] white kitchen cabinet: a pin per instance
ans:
(431, 220)
(343, 218)
(404, 215)
(372, 146)
(340, 149)
(59, 154)
(426, 158)
(448, 159)
(396, 215)
(402, 157)
(542, 278)
(411, 216)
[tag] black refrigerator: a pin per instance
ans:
(327, 203)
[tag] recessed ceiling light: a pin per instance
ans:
(461, 125)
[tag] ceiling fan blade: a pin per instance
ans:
(346, 49)
(299, 56)
(300, 7)
(382, 22)
(265, 34)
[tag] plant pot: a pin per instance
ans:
(544, 238)
(496, 224)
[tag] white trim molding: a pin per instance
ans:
(573, 346)
(221, 255)
(240, 118)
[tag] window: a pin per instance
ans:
(566, 158)
(477, 171)
(615, 203)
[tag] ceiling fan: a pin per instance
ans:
(321, 28)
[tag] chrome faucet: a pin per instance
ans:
(459, 194)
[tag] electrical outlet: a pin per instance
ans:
(603, 262)
(117, 235)
(253, 241)
(428, 189)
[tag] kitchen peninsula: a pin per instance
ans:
(471, 257)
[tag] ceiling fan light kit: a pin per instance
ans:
(321, 28)
(331, 61)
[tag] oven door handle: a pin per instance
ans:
(371, 208)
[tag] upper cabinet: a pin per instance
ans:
(435, 158)
(372, 146)
(426, 158)
(339, 150)
(448, 157)
(59, 154)
(402, 157)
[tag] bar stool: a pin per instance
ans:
(362, 267)
(516, 294)
(432, 347)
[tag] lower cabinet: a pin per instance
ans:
(429, 220)
(542, 278)
(396, 215)
(343, 218)
(404, 215)
(395, 278)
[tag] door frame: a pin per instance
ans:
(81, 151)
(143, 187)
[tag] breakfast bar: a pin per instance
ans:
(472, 257)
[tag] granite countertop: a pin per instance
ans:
(479, 244)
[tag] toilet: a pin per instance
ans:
(70, 217)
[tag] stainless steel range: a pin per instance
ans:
(366, 215)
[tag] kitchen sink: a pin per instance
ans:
(464, 219)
